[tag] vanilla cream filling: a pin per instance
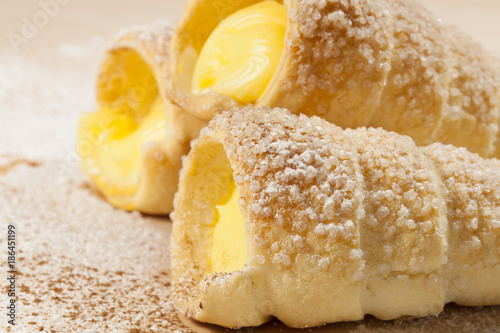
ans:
(241, 55)
(111, 139)
(228, 250)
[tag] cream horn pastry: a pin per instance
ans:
(380, 63)
(292, 217)
(131, 147)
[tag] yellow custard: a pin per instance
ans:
(229, 251)
(113, 160)
(242, 53)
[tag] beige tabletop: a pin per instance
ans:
(84, 266)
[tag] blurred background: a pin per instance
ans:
(79, 21)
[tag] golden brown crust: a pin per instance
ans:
(473, 213)
(363, 218)
(336, 61)
(470, 116)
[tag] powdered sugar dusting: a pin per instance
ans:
(83, 265)
(305, 180)
(41, 106)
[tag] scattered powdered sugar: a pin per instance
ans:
(41, 106)
(83, 265)
(473, 205)
(82, 51)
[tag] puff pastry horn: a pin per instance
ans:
(131, 148)
(380, 63)
(337, 224)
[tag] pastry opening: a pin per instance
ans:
(130, 114)
(227, 247)
(242, 54)
(210, 199)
